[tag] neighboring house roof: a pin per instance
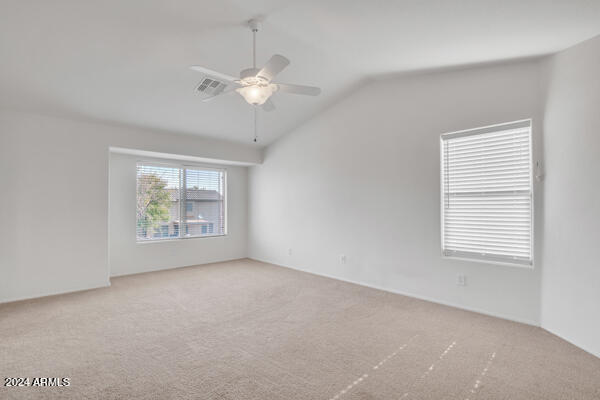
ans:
(196, 194)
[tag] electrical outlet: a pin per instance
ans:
(289, 252)
(461, 280)
(343, 259)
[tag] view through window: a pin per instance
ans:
(179, 202)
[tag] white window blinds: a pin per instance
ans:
(487, 196)
(179, 202)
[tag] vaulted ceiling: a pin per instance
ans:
(127, 61)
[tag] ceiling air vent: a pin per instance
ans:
(210, 87)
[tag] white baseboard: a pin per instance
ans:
(416, 296)
(53, 293)
(156, 269)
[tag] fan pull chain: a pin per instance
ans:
(255, 127)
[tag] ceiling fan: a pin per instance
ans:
(255, 85)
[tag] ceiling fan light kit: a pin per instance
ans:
(256, 94)
(254, 85)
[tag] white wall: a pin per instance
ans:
(571, 279)
(362, 179)
(54, 197)
(129, 257)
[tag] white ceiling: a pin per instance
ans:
(126, 61)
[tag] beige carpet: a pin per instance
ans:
(248, 330)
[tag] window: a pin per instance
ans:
(179, 202)
(487, 194)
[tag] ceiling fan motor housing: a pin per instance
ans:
(254, 25)
(248, 73)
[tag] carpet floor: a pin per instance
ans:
(249, 330)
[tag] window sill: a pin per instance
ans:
(183, 239)
(487, 261)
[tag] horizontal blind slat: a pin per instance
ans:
(487, 172)
(476, 136)
(488, 165)
(488, 155)
(487, 228)
(469, 234)
(486, 141)
(516, 147)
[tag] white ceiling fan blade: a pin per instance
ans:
(268, 105)
(299, 89)
(216, 74)
(274, 66)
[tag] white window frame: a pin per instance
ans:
(182, 207)
(480, 258)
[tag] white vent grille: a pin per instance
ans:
(210, 87)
